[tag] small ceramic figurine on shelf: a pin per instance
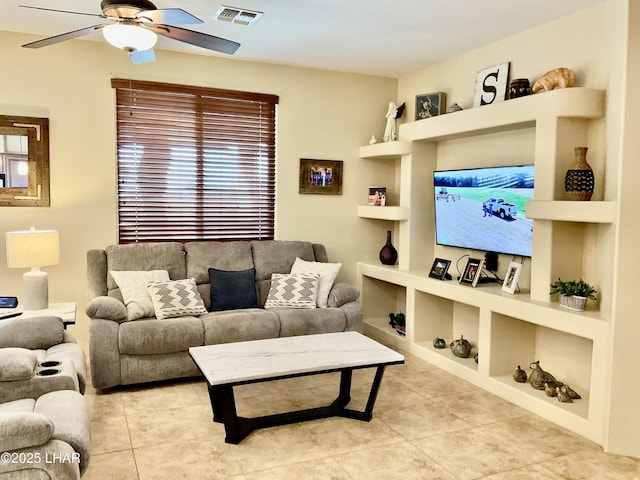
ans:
(393, 113)
(461, 348)
(373, 140)
(390, 129)
(562, 395)
(519, 375)
(556, 78)
(539, 377)
(550, 391)
(571, 392)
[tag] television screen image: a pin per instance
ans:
(483, 209)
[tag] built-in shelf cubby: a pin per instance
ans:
(505, 330)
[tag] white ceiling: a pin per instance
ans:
(379, 37)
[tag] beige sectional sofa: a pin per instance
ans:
(128, 351)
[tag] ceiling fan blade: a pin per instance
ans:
(64, 11)
(62, 37)
(142, 56)
(198, 39)
(170, 16)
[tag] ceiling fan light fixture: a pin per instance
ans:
(129, 37)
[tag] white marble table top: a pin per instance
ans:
(232, 363)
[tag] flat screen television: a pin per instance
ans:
(483, 208)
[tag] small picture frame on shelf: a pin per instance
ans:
(430, 105)
(377, 197)
(510, 283)
(472, 272)
(439, 269)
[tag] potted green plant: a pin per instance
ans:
(573, 294)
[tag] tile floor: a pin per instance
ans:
(427, 424)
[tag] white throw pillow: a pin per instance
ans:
(293, 291)
(133, 287)
(327, 271)
(176, 298)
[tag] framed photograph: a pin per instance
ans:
(511, 278)
(439, 269)
(491, 85)
(430, 105)
(320, 176)
(377, 197)
(472, 272)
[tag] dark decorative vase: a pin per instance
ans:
(388, 254)
(578, 182)
(519, 87)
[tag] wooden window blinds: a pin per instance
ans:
(194, 163)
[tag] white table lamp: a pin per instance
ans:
(33, 249)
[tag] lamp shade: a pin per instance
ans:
(32, 248)
(129, 37)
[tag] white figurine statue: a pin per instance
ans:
(390, 130)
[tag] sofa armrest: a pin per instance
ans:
(341, 294)
(104, 353)
(107, 308)
(24, 429)
(16, 364)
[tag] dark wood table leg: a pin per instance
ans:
(367, 414)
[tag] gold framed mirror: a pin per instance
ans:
(24, 161)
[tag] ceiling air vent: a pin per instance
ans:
(237, 15)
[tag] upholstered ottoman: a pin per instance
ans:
(45, 438)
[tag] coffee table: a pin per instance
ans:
(227, 365)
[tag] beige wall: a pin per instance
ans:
(322, 114)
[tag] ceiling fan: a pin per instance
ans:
(134, 26)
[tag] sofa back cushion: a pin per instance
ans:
(144, 257)
(32, 332)
(225, 256)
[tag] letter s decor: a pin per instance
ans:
(491, 85)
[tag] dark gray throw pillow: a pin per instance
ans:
(231, 290)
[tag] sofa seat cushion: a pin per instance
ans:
(239, 325)
(308, 322)
(153, 336)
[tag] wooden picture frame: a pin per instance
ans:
(491, 85)
(322, 177)
(510, 283)
(472, 272)
(430, 105)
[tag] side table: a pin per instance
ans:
(66, 311)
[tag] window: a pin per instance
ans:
(194, 163)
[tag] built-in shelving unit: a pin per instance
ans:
(505, 330)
